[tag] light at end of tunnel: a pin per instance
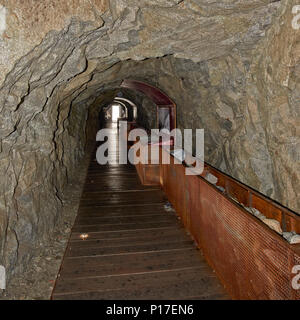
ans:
(115, 112)
(84, 236)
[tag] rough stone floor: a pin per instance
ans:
(133, 247)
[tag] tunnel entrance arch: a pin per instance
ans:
(133, 106)
(165, 107)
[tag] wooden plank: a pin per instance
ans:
(133, 247)
(118, 227)
(105, 188)
(123, 210)
(133, 281)
(203, 288)
(129, 263)
(172, 236)
(118, 220)
(127, 234)
(120, 198)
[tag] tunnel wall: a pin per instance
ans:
(231, 69)
(38, 159)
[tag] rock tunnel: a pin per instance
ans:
(231, 68)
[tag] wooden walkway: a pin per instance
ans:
(135, 249)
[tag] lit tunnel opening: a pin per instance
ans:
(116, 112)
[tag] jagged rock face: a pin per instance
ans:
(232, 67)
(135, 29)
(28, 21)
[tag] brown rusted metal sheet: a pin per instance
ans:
(181, 195)
(252, 261)
(149, 173)
(192, 202)
(170, 180)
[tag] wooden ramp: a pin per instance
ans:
(135, 249)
